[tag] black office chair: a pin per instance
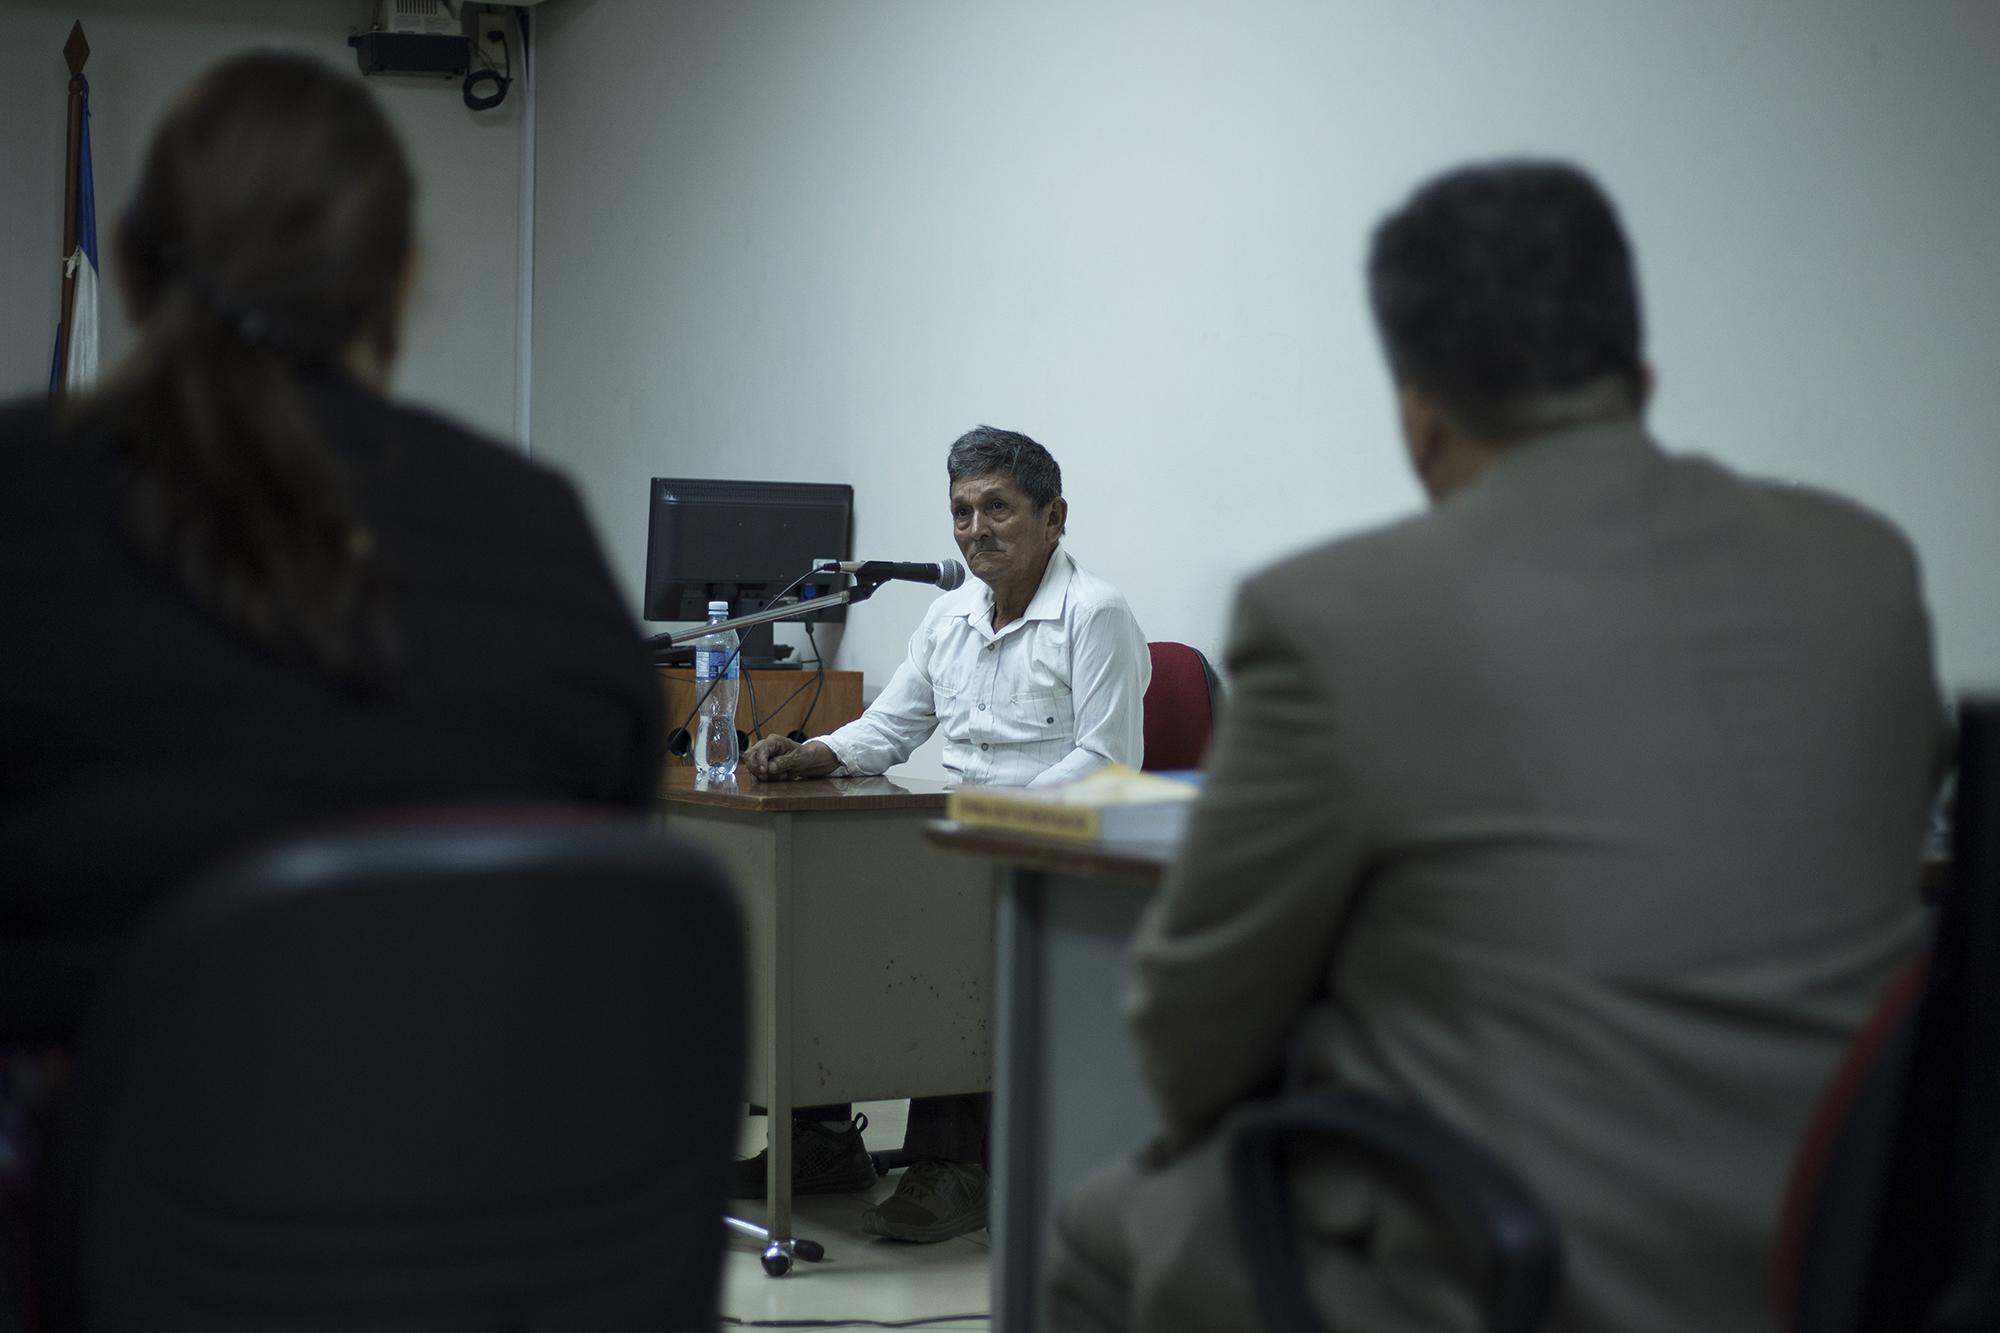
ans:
(1830, 1224)
(1509, 1238)
(1930, 1249)
(467, 1076)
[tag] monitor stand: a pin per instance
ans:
(760, 650)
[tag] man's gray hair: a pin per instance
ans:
(984, 450)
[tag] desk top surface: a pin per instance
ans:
(679, 787)
(1142, 865)
(801, 673)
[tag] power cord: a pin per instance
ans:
(680, 740)
(818, 682)
(487, 76)
(756, 728)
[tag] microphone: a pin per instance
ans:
(948, 575)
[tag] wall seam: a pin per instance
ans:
(524, 279)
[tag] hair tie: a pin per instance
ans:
(252, 327)
(248, 325)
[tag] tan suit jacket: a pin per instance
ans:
(1584, 811)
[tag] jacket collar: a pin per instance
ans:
(1576, 456)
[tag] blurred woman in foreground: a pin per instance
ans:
(246, 594)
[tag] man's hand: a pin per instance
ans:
(780, 759)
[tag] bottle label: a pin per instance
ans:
(718, 661)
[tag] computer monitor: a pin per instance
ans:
(741, 542)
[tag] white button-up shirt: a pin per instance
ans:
(1046, 698)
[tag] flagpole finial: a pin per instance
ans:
(77, 49)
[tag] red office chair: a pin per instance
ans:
(1180, 707)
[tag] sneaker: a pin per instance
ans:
(824, 1161)
(934, 1201)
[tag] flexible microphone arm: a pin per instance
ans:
(864, 589)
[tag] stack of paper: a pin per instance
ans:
(1114, 804)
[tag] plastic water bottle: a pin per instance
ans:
(716, 659)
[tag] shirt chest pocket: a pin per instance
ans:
(1035, 715)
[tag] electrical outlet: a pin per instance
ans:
(494, 40)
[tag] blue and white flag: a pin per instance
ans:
(78, 370)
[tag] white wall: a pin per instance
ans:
(817, 241)
(459, 345)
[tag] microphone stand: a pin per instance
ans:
(863, 589)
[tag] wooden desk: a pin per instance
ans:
(871, 951)
(839, 700)
(1067, 1090)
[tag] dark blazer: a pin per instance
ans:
(1584, 811)
(140, 737)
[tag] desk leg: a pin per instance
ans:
(778, 1053)
(1068, 1092)
(1018, 1205)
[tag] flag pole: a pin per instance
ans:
(75, 51)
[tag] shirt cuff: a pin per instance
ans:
(846, 769)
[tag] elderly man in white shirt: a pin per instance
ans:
(1035, 674)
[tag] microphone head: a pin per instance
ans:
(950, 575)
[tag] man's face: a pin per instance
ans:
(1005, 540)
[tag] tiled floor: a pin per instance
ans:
(862, 1276)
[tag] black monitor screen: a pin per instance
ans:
(739, 542)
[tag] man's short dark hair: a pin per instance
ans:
(1503, 282)
(984, 450)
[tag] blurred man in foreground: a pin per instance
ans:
(1582, 812)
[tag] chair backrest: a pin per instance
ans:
(424, 1078)
(1180, 707)
(1906, 1238)
(1936, 1265)
(1833, 1204)
(1505, 1240)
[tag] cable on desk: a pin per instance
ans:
(819, 676)
(756, 727)
(818, 681)
(679, 740)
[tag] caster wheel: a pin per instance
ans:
(809, 1250)
(776, 1262)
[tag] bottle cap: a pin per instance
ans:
(714, 607)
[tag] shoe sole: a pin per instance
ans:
(872, 1223)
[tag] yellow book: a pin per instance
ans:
(1114, 804)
